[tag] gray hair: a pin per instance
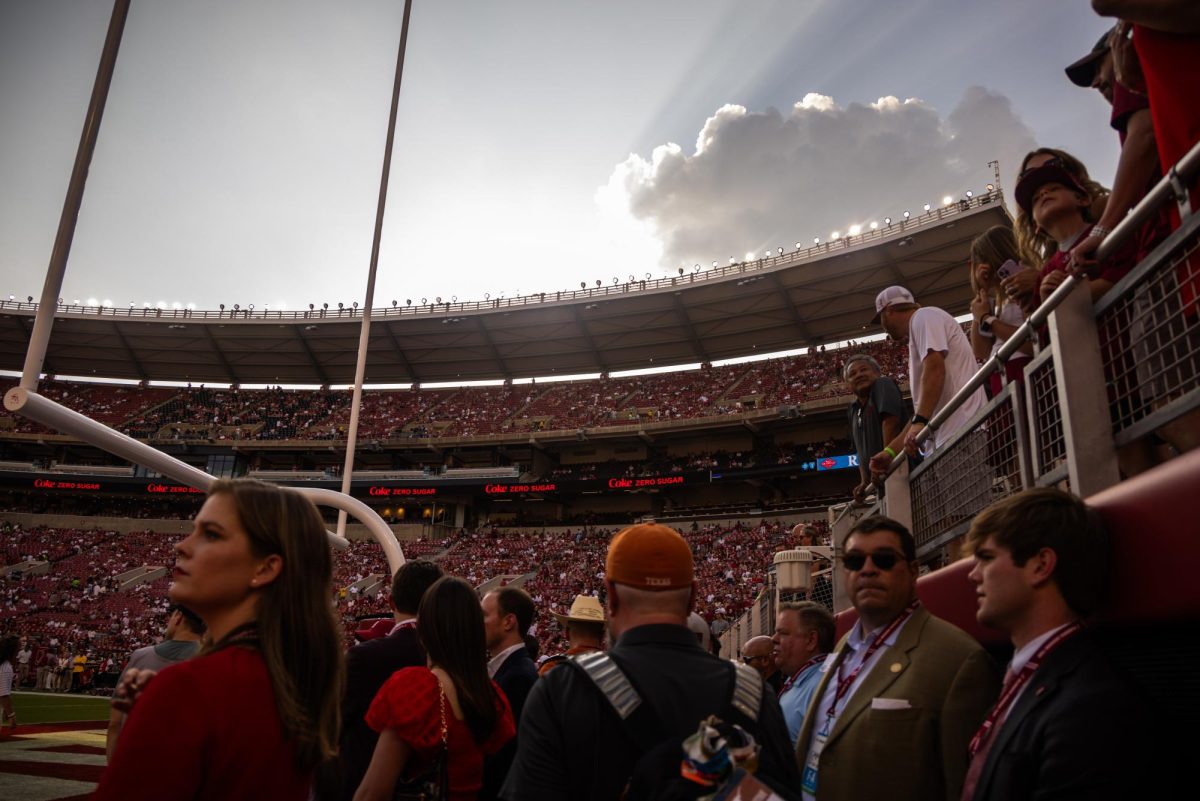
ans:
(860, 357)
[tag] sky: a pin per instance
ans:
(539, 144)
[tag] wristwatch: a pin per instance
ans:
(920, 419)
(985, 325)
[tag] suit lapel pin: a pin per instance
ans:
(896, 667)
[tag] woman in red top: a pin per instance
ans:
(411, 708)
(253, 715)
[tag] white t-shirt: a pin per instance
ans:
(1009, 313)
(932, 329)
(6, 678)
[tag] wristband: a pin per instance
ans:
(888, 450)
(1099, 232)
(920, 420)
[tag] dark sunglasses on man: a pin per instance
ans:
(884, 559)
(749, 660)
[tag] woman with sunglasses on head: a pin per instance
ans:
(256, 712)
(994, 258)
(449, 709)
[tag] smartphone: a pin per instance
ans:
(1008, 270)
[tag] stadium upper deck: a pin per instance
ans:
(794, 297)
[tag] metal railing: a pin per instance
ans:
(895, 229)
(1113, 372)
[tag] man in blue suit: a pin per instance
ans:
(369, 664)
(507, 617)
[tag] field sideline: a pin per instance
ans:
(37, 708)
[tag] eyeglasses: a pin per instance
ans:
(1053, 161)
(884, 560)
(746, 660)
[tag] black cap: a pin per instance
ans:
(1083, 71)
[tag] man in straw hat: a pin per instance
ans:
(585, 630)
(579, 735)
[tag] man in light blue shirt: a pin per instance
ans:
(804, 634)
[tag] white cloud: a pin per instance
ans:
(762, 179)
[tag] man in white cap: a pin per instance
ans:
(584, 623)
(940, 362)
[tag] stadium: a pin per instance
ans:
(508, 439)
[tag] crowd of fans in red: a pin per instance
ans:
(277, 414)
(80, 607)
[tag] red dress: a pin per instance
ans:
(207, 728)
(408, 704)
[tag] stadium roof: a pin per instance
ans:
(810, 296)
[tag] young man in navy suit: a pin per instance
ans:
(1065, 725)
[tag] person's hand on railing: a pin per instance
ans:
(1050, 283)
(911, 446)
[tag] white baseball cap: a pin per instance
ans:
(890, 297)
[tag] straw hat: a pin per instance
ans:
(584, 609)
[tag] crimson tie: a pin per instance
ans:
(980, 758)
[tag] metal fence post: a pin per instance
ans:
(1082, 395)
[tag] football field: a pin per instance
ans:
(57, 750)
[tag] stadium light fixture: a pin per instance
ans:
(177, 305)
(75, 302)
(907, 215)
(696, 268)
(106, 303)
(29, 299)
(191, 307)
(874, 226)
(781, 251)
(816, 240)
(355, 303)
(394, 304)
(12, 297)
(947, 200)
(324, 305)
(855, 229)
(454, 298)
(93, 302)
(714, 263)
(131, 305)
(991, 187)
(797, 246)
(970, 194)
(927, 207)
(408, 301)
(251, 307)
(887, 221)
(237, 307)
(835, 235)
(598, 282)
(749, 256)
(342, 305)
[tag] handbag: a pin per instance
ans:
(433, 783)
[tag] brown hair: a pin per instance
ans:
(993, 247)
(298, 635)
(512, 600)
(1036, 246)
(1050, 518)
(450, 628)
(873, 523)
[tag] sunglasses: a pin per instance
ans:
(884, 560)
(1053, 161)
(746, 660)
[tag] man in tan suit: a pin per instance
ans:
(903, 692)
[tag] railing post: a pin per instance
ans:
(1082, 395)
(897, 502)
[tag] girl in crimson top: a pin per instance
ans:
(252, 715)
(451, 705)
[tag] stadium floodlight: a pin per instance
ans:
(93, 302)
(176, 305)
(714, 263)
(29, 299)
(324, 305)
(191, 307)
(631, 278)
(927, 207)
(162, 304)
(696, 267)
(106, 303)
(780, 251)
(454, 298)
(355, 304)
(970, 194)
(855, 229)
(749, 256)
(647, 276)
(816, 240)
(131, 305)
(887, 221)
(236, 307)
(907, 215)
(423, 301)
(12, 297)
(222, 305)
(733, 259)
(408, 301)
(947, 200)
(991, 187)
(251, 307)
(835, 235)
(394, 304)
(438, 299)
(598, 283)
(342, 306)
(874, 226)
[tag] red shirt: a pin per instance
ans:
(409, 705)
(1112, 270)
(207, 728)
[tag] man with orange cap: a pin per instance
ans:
(588, 725)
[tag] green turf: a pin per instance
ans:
(33, 708)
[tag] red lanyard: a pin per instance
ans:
(816, 660)
(1013, 688)
(844, 684)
